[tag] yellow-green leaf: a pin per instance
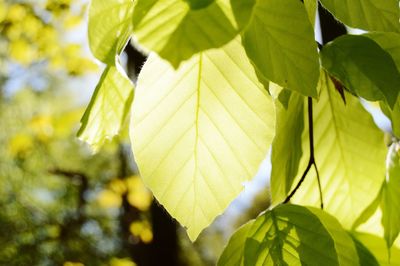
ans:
(279, 40)
(178, 29)
(200, 131)
(110, 26)
(108, 108)
(296, 235)
(349, 152)
(372, 15)
(286, 147)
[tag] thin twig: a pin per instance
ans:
(311, 161)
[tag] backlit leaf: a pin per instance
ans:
(373, 15)
(233, 253)
(178, 29)
(279, 40)
(286, 147)
(390, 203)
(295, 235)
(350, 155)
(363, 67)
(110, 26)
(200, 131)
(108, 109)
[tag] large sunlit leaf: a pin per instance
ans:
(178, 29)
(349, 152)
(110, 25)
(286, 147)
(280, 42)
(373, 15)
(200, 131)
(377, 246)
(108, 108)
(233, 253)
(295, 235)
(390, 203)
(363, 67)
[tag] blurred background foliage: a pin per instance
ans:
(60, 203)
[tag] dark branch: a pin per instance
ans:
(311, 161)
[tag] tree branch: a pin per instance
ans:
(311, 161)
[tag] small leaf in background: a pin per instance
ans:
(178, 29)
(200, 131)
(108, 109)
(279, 40)
(286, 147)
(110, 26)
(372, 15)
(390, 203)
(296, 235)
(233, 253)
(349, 152)
(363, 67)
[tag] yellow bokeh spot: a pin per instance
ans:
(70, 263)
(121, 262)
(138, 195)
(16, 13)
(142, 229)
(109, 199)
(22, 52)
(118, 186)
(42, 127)
(20, 144)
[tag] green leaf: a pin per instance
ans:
(390, 42)
(349, 152)
(363, 67)
(372, 15)
(390, 203)
(234, 251)
(108, 109)
(178, 29)
(378, 248)
(295, 235)
(200, 131)
(311, 7)
(286, 147)
(110, 26)
(364, 255)
(280, 42)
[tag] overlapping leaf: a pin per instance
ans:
(390, 42)
(390, 202)
(108, 108)
(365, 256)
(286, 147)
(349, 152)
(363, 67)
(377, 246)
(279, 40)
(200, 131)
(110, 26)
(372, 15)
(178, 29)
(233, 254)
(311, 7)
(295, 235)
